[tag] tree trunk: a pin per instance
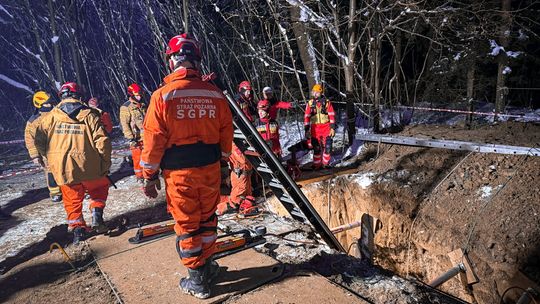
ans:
(396, 88)
(502, 91)
(73, 42)
(56, 46)
(305, 47)
(349, 71)
(186, 16)
(374, 62)
(37, 36)
(470, 92)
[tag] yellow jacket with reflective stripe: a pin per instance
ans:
(75, 143)
(131, 120)
(30, 133)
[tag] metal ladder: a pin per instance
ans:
(261, 157)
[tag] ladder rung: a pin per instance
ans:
(264, 168)
(287, 199)
(275, 184)
(298, 214)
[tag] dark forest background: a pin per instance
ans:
(376, 54)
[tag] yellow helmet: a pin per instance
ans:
(317, 88)
(40, 97)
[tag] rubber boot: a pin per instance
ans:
(196, 284)
(79, 234)
(212, 269)
(97, 221)
(56, 198)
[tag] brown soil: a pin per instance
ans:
(48, 279)
(423, 216)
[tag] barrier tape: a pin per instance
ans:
(469, 112)
(10, 142)
(21, 172)
(33, 170)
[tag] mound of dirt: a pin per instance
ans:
(430, 202)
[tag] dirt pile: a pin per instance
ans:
(429, 202)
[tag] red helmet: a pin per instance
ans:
(244, 85)
(69, 89)
(134, 90)
(185, 47)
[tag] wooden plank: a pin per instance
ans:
(300, 289)
(457, 256)
(150, 273)
(303, 182)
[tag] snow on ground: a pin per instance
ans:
(36, 219)
(292, 132)
(364, 180)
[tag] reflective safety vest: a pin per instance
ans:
(268, 130)
(319, 111)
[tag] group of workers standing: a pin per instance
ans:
(183, 135)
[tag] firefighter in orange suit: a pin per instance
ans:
(131, 119)
(187, 130)
(241, 171)
(319, 124)
(42, 102)
(78, 151)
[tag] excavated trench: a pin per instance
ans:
(426, 203)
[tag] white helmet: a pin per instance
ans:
(267, 90)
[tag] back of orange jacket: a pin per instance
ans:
(188, 124)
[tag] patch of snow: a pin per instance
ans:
(304, 15)
(216, 8)
(457, 56)
(522, 35)
(495, 48)
(55, 39)
(486, 192)
(513, 54)
(364, 180)
(507, 70)
(15, 83)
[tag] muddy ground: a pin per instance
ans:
(49, 279)
(429, 202)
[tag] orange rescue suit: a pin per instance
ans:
(187, 130)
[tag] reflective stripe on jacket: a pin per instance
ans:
(319, 111)
(185, 115)
(131, 120)
(75, 143)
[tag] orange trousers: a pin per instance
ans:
(193, 195)
(240, 176)
(73, 195)
(240, 186)
(136, 156)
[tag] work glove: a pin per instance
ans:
(151, 186)
(332, 132)
(38, 161)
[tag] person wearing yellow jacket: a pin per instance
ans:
(131, 119)
(78, 151)
(41, 102)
